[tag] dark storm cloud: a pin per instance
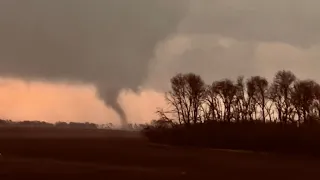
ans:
(290, 21)
(227, 38)
(105, 42)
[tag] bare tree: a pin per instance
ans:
(213, 103)
(177, 99)
(186, 97)
(303, 98)
(241, 103)
(270, 106)
(227, 92)
(250, 103)
(196, 95)
(258, 91)
(280, 92)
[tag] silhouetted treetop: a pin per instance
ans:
(285, 100)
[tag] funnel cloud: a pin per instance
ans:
(107, 43)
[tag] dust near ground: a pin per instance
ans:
(98, 154)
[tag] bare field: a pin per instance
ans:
(80, 154)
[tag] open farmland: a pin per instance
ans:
(101, 154)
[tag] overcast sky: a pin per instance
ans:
(112, 48)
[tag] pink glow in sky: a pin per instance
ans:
(60, 102)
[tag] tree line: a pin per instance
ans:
(286, 100)
(251, 114)
(66, 125)
(43, 124)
